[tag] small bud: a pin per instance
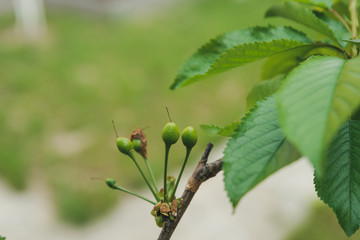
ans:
(159, 221)
(189, 137)
(180, 202)
(124, 145)
(170, 185)
(110, 182)
(154, 213)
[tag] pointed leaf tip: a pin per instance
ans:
(256, 150)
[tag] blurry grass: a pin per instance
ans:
(321, 224)
(58, 97)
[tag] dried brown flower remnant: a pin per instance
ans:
(157, 206)
(139, 134)
(156, 209)
(164, 209)
(174, 207)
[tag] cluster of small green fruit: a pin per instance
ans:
(166, 205)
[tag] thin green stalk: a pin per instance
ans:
(147, 182)
(132, 193)
(354, 18)
(167, 149)
(188, 150)
(151, 173)
(354, 25)
(341, 19)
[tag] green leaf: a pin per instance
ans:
(226, 131)
(353, 41)
(339, 30)
(300, 14)
(236, 48)
(337, 27)
(2, 238)
(211, 130)
(342, 8)
(284, 62)
(340, 185)
(251, 52)
(262, 90)
(257, 149)
(321, 3)
(314, 101)
(356, 115)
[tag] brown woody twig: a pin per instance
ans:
(202, 172)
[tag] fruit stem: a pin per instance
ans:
(151, 173)
(167, 149)
(132, 193)
(131, 155)
(188, 150)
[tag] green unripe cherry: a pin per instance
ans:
(124, 145)
(170, 133)
(137, 145)
(189, 137)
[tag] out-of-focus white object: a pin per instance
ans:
(30, 18)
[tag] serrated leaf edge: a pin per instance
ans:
(332, 37)
(242, 122)
(349, 179)
(175, 85)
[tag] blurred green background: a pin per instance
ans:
(59, 96)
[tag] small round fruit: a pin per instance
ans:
(170, 133)
(137, 144)
(124, 145)
(189, 137)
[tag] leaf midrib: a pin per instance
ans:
(272, 156)
(327, 120)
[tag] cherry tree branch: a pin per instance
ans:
(202, 172)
